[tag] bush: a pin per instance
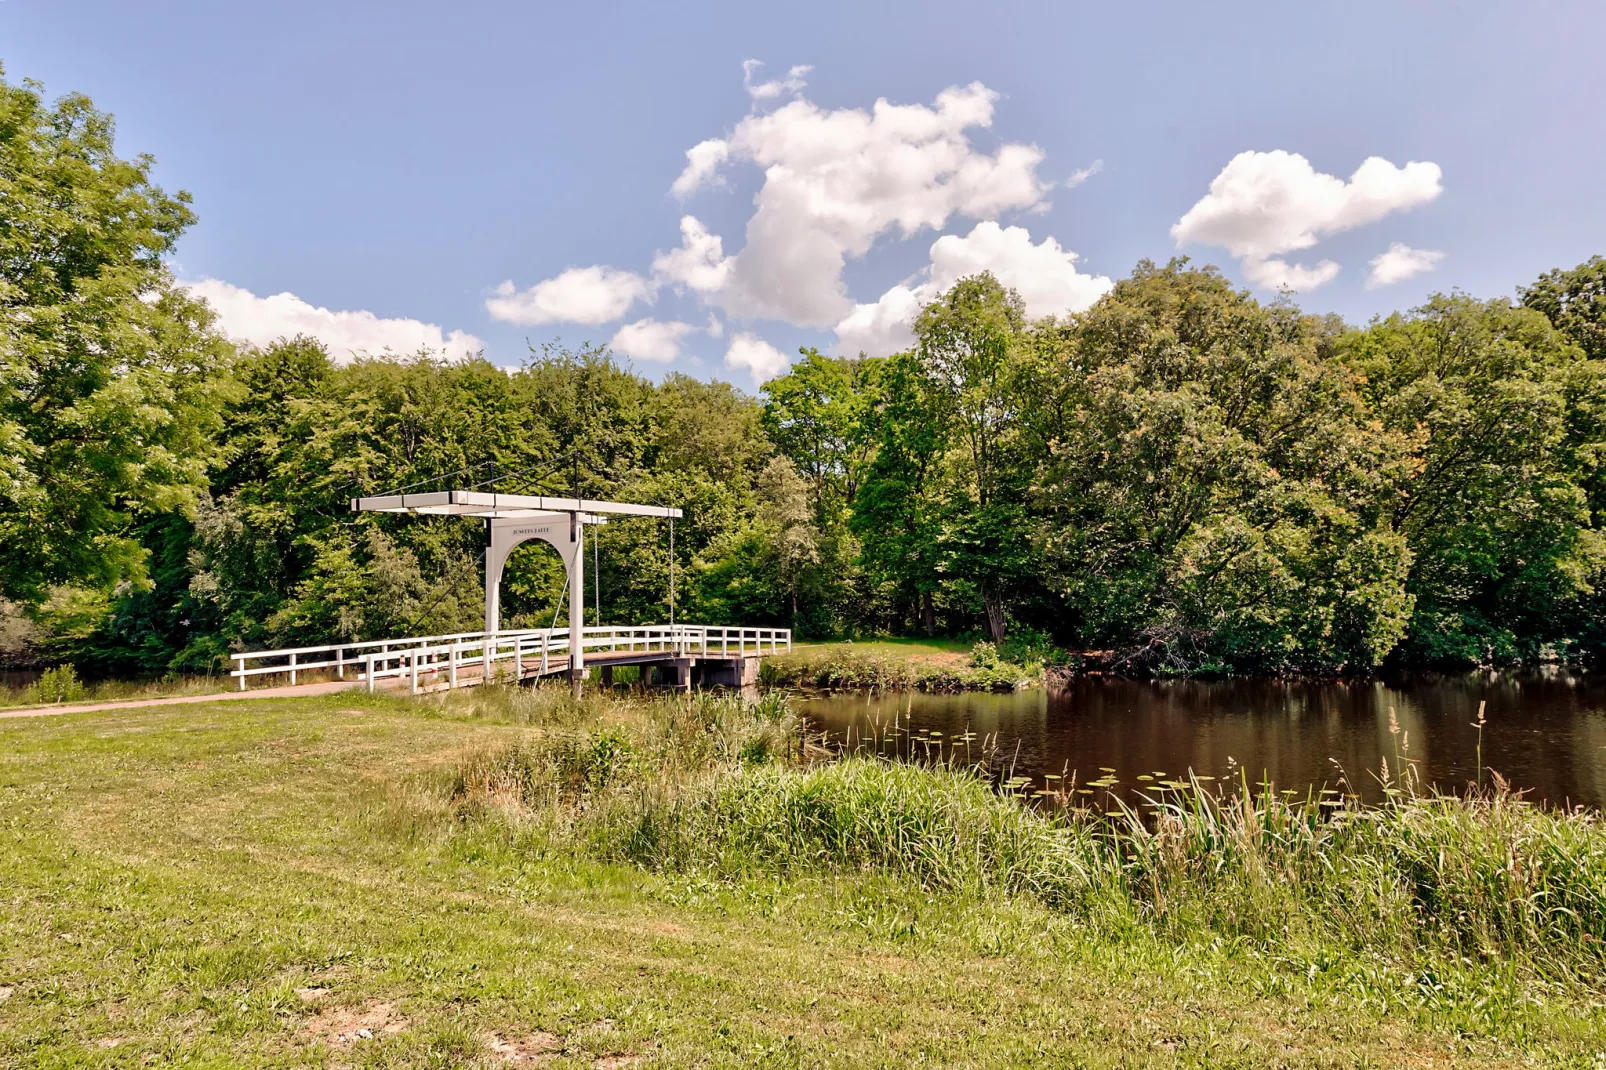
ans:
(57, 685)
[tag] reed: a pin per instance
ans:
(725, 788)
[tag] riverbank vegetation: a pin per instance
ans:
(1182, 478)
(497, 878)
(908, 665)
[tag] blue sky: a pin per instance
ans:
(387, 167)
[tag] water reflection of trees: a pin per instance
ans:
(1545, 732)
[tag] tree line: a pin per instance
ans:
(1183, 477)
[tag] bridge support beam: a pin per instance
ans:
(566, 534)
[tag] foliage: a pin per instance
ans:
(57, 684)
(839, 668)
(1575, 303)
(109, 374)
(1180, 477)
(1494, 505)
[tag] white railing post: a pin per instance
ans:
(340, 663)
(292, 670)
(368, 673)
(241, 660)
(412, 659)
(451, 666)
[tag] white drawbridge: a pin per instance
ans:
(681, 652)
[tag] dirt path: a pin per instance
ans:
(298, 691)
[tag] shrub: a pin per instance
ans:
(60, 684)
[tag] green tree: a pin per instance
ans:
(818, 415)
(108, 388)
(966, 345)
(896, 513)
(1494, 505)
(1210, 489)
(1575, 303)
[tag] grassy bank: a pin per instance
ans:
(905, 665)
(496, 878)
(62, 685)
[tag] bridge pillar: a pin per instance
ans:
(566, 534)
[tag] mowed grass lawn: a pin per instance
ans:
(253, 884)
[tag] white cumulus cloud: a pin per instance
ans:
(837, 180)
(650, 339)
(702, 161)
(762, 91)
(757, 356)
(589, 295)
(1399, 262)
(834, 185)
(1045, 275)
(1082, 174)
(699, 264)
(1263, 204)
(259, 321)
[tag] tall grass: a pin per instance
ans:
(62, 685)
(726, 788)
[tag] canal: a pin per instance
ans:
(1544, 732)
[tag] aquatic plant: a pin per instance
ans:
(719, 786)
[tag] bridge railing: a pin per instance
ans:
(339, 656)
(482, 653)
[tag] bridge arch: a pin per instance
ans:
(564, 532)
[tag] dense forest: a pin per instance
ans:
(1182, 476)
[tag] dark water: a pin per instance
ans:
(1544, 732)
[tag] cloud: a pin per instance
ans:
(702, 162)
(1399, 262)
(758, 356)
(700, 264)
(1082, 174)
(762, 91)
(1278, 274)
(1266, 203)
(834, 184)
(883, 326)
(1045, 275)
(650, 339)
(245, 317)
(837, 180)
(589, 295)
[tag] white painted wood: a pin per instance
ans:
(490, 504)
